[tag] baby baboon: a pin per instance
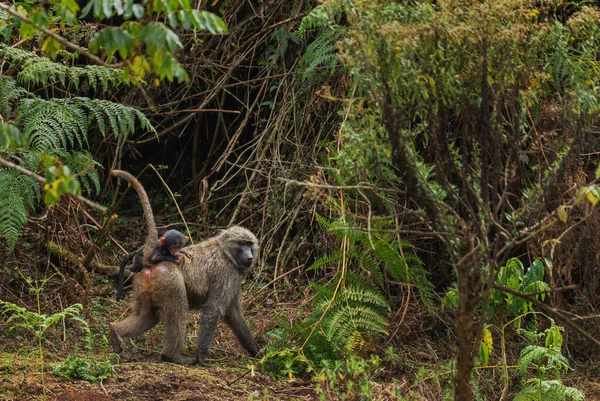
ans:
(168, 249)
(210, 281)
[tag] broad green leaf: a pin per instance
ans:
(27, 31)
(184, 18)
(113, 39)
(118, 6)
(51, 46)
(581, 194)
(173, 23)
(484, 354)
(208, 21)
(107, 8)
(10, 136)
(138, 11)
(173, 41)
(154, 36)
(39, 18)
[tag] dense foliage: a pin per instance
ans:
(397, 158)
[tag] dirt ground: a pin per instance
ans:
(231, 375)
(20, 380)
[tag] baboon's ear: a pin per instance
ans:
(162, 240)
(186, 238)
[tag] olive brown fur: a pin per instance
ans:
(209, 281)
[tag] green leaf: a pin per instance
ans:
(173, 41)
(153, 34)
(484, 354)
(107, 8)
(562, 213)
(208, 21)
(138, 11)
(51, 46)
(10, 136)
(173, 22)
(592, 195)
(112, 39)
(184, 18)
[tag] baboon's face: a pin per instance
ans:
(243, 255)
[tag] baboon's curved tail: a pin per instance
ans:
(152, 235)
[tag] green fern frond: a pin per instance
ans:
(535, 354)
(327, 260)
(364, 294)
(370, 264)
(321, 52)
(39, 71)
(320, 17)
(548, 390)
(121, 118)
(83, 164)
(42, 71)
(51, 124)
(10, 93)
(358, 307)
(60, 123)
(16, 195)
(323, 222)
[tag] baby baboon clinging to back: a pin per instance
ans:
(168, 249)
(210, 281)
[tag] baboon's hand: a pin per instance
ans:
(186, 254)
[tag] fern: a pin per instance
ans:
(40, 71)
(350, 309)
(548, 390)
(10, 93)
(372, 251)
(321, 52)
(357, 310)
(82, 164)
(17, 193)
(51, 124)
(79, 368)
(121, 118)
(546, 361)
(322, 16)
(59, 127)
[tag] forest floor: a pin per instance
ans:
(231, 375)
(148, 380)
(420, 371)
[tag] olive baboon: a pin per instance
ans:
(210, 281)
(168, 249)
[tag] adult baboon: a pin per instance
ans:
(210, 281)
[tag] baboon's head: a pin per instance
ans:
(240, 246)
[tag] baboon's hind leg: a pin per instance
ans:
(141, 319)
(173, 311)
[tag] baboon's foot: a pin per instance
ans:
(116, 342)
(201, 361)
(178, 359)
